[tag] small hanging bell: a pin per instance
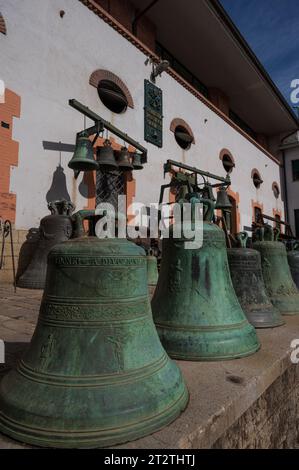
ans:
(105, 156)
(223, 201)
(123, 160)
(136, 160)
(83, 156)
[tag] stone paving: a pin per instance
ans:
(18, 316)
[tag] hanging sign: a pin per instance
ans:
(153, 114)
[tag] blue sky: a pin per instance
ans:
(271, 27)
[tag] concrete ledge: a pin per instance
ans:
(229, 401)
(221, 392)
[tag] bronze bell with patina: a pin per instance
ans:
(246, 273)
(136, 161)
(195, 308)
(54, 228)
(223, 201)
(277, 276)
(83, 159)
(123, 160)
(106, 157)
(95, 373)
(293, 259)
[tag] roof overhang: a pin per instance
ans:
(203, 38)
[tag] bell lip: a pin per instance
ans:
(30, 284)
(274, 319)
(281, 304)
(125, 434)
(252, 348)
(265, 325)
(83, 166)
(197, 358)
(138, 167)
(105, 166)
(125, 167)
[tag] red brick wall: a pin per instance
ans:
(9, 150)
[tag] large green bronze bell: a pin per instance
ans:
(279, 284)
(246, 274)
(95, 373)
(195, 308)
(293, 259)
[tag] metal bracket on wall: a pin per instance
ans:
(225, 182)
(101, 124)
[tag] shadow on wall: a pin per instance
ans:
(58, 189)
(87, 187)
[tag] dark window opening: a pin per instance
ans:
(277, 221)
(276, 191)
(257, 181)
(112, 96)
(228, 164)
(183, 137)
(5, 124)
(181, 70)
(258, 215)
(295, 168)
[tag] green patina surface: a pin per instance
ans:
(195, 308)
(95, 373)
(277, 277)
(247, 278)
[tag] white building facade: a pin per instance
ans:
(49, 52)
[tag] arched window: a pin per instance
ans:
(2, 25)
(112, 96)
(256, 178)
(182, 133)
(227, 159)
(257, 215)
(112, 91)
(276, 190)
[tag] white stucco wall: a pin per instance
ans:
(292, 186)
(48, 60)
